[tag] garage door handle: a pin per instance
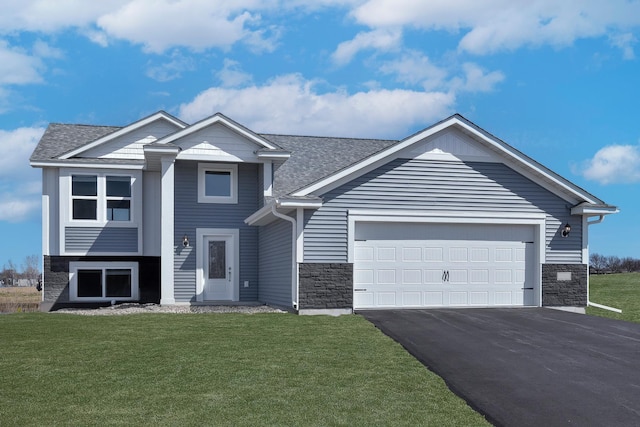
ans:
(445, 276)
(528, 288)
(359, 290)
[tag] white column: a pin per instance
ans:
(167, 235)
(267, 178)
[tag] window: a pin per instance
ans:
(103, 281)
(84, 192)
(118, 198)
(101, 198)
(217, 183)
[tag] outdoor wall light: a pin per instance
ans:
(185, 241)
(566, 230)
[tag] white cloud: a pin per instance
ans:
(290, 104)
(497, 25)
(198, 24)
(476, 79)
(625, 43)
(613, 164)
(232, 75)
(381, 39)
(414, 68)
(171, 70)
(17, 67)
(19, 183)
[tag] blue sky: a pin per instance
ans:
(559, 81)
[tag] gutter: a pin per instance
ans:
(294, 261)
(589, 302)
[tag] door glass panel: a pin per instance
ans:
(217, 259)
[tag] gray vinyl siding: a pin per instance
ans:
(101, 240)
(439, 186)
(275, 263)
(190, 215)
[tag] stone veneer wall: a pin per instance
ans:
(56, 279)
(325, 286)
(572, 293)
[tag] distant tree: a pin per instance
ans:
(31, 269)
(598, 263)
(614, 264)
(9, 274)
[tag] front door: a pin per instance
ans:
(218, 268)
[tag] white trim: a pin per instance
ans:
(273, 156)
(201, 234)
(594, 210)
(217, 118)
(74, 164)
(167, 248)
(231, 168)
(533, 219)
(387, 154)
(267, 179)
(65, 201)
(308, 204)
(160, 115)
(104, 266)
(300, 235)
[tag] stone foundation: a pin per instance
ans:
(564, 285)
(56, 279)
(325, 286)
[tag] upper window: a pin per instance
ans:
(91, 194)
(84, 192)
(118, 198)
(217, 183)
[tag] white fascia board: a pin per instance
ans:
(217, 118)
(380, 158)
(167, 149)
(305, 204)
(374, 215)
(57, 164)
(273, 156)
(125, 130)
(594, 210)
(260, 214)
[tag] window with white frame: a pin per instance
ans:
(217, 183)
(101, 198)
(105, 281)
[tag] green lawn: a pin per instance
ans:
(214, 369)
(616, 290)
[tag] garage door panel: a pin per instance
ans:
(436, 273)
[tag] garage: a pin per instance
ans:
(443, 265)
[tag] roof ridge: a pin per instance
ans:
(328, 137)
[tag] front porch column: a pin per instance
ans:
(167, 233)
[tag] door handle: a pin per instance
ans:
(445, 276)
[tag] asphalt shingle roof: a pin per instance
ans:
(60, 138)
(313, 158)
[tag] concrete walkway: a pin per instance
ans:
(527, 367)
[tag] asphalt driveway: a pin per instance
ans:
(527, 367)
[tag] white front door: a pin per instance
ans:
(218, 266)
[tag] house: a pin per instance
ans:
(215, 213)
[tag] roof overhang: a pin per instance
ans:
(586, 209)
(160, 115)
(284, 205)
(512, 157)
(219, 118)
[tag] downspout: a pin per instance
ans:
(589, 302)
(294, 260)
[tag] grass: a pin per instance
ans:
(214, 369)
(19, 299)
(616, 290)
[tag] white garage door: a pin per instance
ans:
(414, 265)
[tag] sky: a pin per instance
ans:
(558, 80)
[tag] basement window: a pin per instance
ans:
(109, 281)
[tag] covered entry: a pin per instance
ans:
(444, 265)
